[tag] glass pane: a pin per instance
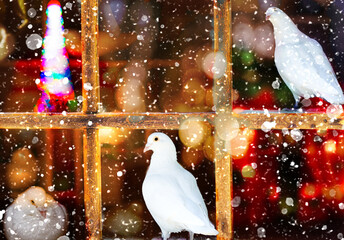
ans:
(33, 80)
(124, 167)
(300, 193)
(262, 72)
(156, 55)
(50, 160)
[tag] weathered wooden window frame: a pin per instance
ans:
(89, 120)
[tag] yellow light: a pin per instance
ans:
(22, 171)
(193, 131)
(113, 136)
(238, 146)
(330, 146)
(251, 76)
(209, 148)
(229, 127)
(248, 171)
(193, 91)
(192, 157)
(340, 150)
(130, 90)
(332, 192)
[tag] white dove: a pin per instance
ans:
(301, 61)
(171, 192)
(35, 215)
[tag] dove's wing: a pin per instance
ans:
(323, 67)
(303, 74)
(320, 60)
(196, 204)
(168, 203)
(190, 188)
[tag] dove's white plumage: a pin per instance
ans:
(301, 61)
(171, 192)
(35, 215)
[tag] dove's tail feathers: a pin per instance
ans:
(211, 231)
(332, 92)
(207, 229)
(335, 99)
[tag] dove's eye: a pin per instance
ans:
(32, 201)
(156, 139)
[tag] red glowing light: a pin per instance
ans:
(310, 191)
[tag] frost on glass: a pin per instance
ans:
(124, 166)
(156, 55)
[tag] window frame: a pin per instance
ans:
(89, 120)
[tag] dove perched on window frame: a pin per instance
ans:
(171, 193)
(301, 61)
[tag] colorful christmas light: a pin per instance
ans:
(54, 83)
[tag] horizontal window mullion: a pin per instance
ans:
(164, 120)
(82, 120)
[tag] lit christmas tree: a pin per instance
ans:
(54, 83)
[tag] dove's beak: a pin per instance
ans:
(147, 148)
(43, 212)
(267, 17)
(269, 12)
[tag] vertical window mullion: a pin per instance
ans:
(92, 183)
(223, 102)
(90, 93)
